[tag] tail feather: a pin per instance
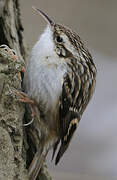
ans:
(36, 165)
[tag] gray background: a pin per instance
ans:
(93, 152)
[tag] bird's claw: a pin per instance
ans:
(23, 97)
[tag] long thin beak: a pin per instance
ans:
(45, 16)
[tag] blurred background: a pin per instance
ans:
(92, 154)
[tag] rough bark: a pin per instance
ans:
(16, 142)
(12, 162)
(11, 27)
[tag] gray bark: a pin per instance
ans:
(12, 162)
(16, 142)
(11, 27)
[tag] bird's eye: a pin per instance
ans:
(59, 39)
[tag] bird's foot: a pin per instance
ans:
(23, 97)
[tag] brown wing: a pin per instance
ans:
(69, 116)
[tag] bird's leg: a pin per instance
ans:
(36, 165)
(23, 97)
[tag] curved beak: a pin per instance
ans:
(45, 16)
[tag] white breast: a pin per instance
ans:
(44, 73)
(44, 83)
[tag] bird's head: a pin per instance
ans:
(58, 38)
(63, 44)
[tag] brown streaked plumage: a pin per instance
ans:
(60, 77)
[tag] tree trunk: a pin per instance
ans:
(16, 146)
(11, 27)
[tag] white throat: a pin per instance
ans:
(45, 72)
(44, 46)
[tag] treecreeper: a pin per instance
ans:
(60, 79)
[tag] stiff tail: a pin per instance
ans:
(36, 165)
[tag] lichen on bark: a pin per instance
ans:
(12, 163)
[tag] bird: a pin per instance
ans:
(60, 77)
